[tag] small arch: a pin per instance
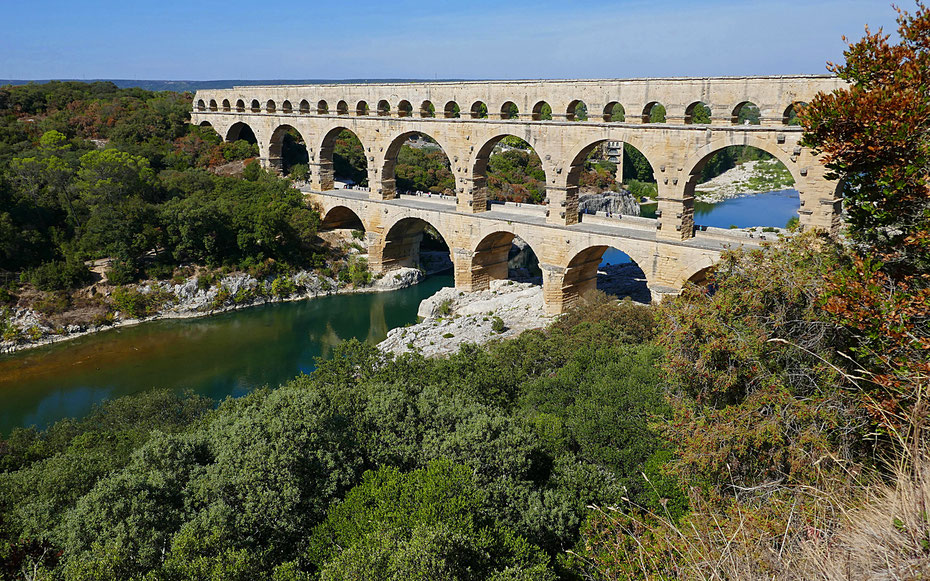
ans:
(614, 112)
(226, 106)
(361, 109)
(479, 110)
(509, 110)
(542, 111)
(240, 106)
(790, 116)
(703, 277)
(213, 106)
(577, 111)
(427, 109)
(384, 108)
(341, 218)
(304, 107)
(342, 108)
(322, 107)
(256, 106)
(404, 109)
(207, 124)
(270, 106)
(654, 112)
(287, 108)
(746, 113)
(452, 110)
(697, 113)
(201, 106)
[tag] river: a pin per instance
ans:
(234, 352)
(217, 356)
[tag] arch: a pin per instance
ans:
(240, 106)
(226, 106)
(746, 113)
(427, 109)
(790, 117)
(384, 108)
(636, 166)
(614, 112)
(201, 106)
(439, 179)
(401, 244)
(404, 109)
(322, 107)
(697, 113)
(500, 255)
(696, 164)
(304, 107)
(577, 111)
(341, 158)
(342, 108)
(509, 110)
(542, 111)
(452, 110)
(482, 172)
(654, 112)
(206, 124)
(240, 130)
(213, 106)
(702, 277)
(287, 108)
(588, 271)
(479, 110)
(270, 106)
(341, 218)
(361, 109)
(256, 106)
(287, 149)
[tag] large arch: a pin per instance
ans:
(240, 130)
(341, 218)
(588, 271)
(389, 179)
(696, 163)
(401, 244)
(287, 148)
(333, 164)
(481, 163)
(492, 257)
(633, 146)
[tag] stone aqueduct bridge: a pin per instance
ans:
(669, 249)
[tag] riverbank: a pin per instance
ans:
(190, 298)
(746, 179)
(451, 318)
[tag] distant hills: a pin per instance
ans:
(181, 86)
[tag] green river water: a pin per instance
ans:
(226, 354)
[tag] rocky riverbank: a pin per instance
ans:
(450, 318)
(751, 177)
(622, 202)
(187, 299)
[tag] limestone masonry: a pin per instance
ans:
(670, 249)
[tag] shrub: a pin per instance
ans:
(130, 301)
(58, 275)
(52, 303)
(497, 325)
(283, 287)
(445, 308)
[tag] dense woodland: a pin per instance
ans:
(771, 425)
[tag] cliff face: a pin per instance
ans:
(621, 202)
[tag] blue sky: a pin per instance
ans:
(233, 39)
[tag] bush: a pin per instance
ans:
(283, 287)
(58, 275)
(445, 308)
(122, 271)
(497, 325)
